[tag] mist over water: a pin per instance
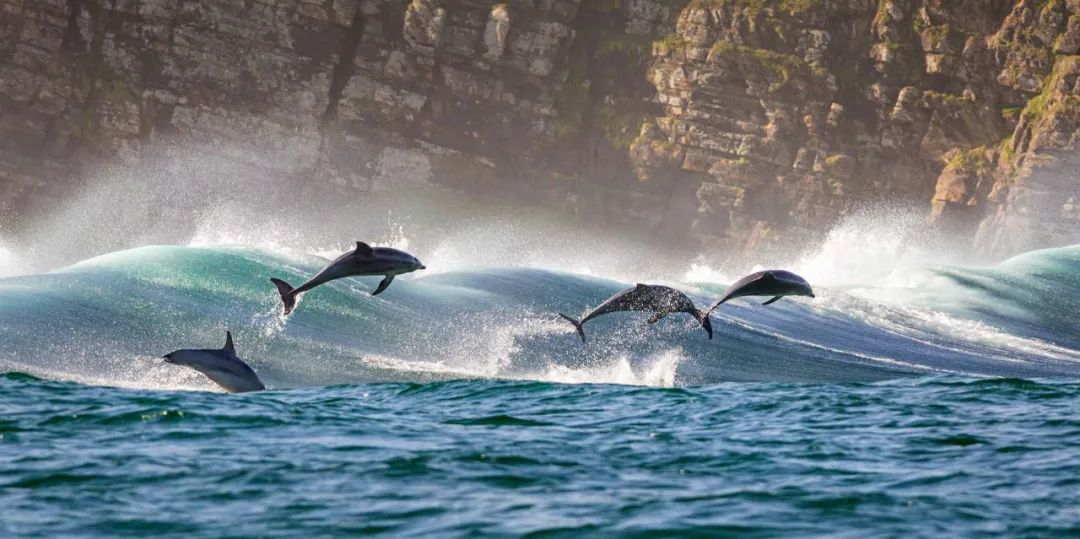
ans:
(891, 300)
(898, 401)
(9, 263)
(886, 307)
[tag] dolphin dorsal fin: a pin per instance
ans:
(363, 248)
(228, 343)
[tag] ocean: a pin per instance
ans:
(941, 401)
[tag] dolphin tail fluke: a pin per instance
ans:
(714, 306)
(288, 294)
(577, 325)
(706, 323)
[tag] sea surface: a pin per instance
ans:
(942, 401)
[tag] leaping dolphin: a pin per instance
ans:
(222, 366)
(364, 260)
(662, 300)
(775, 283)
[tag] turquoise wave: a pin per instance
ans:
(105, 320)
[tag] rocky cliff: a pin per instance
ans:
(744, 124)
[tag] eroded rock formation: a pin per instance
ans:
(744, 124)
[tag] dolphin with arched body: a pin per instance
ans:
(775, 283)
(222, 366)
(364, 260)
(661, 300)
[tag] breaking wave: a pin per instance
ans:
(105, 321)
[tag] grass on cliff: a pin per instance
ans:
(784, 66)
(753, 8)
(1048, 102)
(1037, 106)
(973, 160)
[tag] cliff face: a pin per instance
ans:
(787, 113)
(361, 95)
(744, 124)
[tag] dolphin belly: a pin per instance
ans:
(363, 261)
(234, 383)
(657, 299)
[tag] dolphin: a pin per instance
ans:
(775, 283)
(364, 260)
(662, 300)
(222, 366)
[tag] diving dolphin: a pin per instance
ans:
(662, 300)
(775, 283)
(364, 260)
(222, 366)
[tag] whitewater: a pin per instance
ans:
(104, 320)
(915, 396)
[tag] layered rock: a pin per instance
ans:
(790, 114)
(356, 94)
(748, 125)
(1035, 200)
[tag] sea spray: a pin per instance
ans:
(10, 263)
(94, 321)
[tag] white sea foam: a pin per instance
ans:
(657, 371)
(872, 268)
(10, 263)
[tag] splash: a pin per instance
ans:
(701, 272)
(207, 195)
(657, 371)
(11, 263)
(873, 246)
(95, 321)
(485, 308)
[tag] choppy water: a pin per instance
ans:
(923, 457)
(939, 402)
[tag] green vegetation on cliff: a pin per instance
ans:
(973, 160)
(753, 8)
(1037, 106)
(784, 66)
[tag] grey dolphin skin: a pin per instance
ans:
(220, 365)
(661, 300)
(775, 283)
(364, 260)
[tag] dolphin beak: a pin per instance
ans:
(812, 295)
(422, 267)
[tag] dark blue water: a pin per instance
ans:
(916, 457)
(457, 404)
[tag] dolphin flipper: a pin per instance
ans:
(383, 284)
(577, 326)
(655, 318)
(774, 300)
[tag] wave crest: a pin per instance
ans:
(102, 320)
